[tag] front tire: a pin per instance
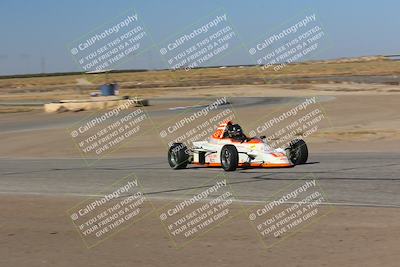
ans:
(229, 157)
(297, 152)
(178, 156)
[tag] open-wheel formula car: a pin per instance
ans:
(230, 148)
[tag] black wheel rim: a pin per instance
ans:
(295, 153)
(226, 158)
(174, 158)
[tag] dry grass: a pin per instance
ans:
(132, 83)
(210, 76)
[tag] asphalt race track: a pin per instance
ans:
(369, 179)
(348, 179)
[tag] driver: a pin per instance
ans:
(235, 132)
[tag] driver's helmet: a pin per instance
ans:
(234, 131)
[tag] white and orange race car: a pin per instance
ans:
(230, 148)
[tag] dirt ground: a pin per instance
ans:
(36, 231)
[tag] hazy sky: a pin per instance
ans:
(35, 35)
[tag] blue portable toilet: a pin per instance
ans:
(107, 89)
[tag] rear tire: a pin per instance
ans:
(178, 156)
(297, 152)
(229, 157)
